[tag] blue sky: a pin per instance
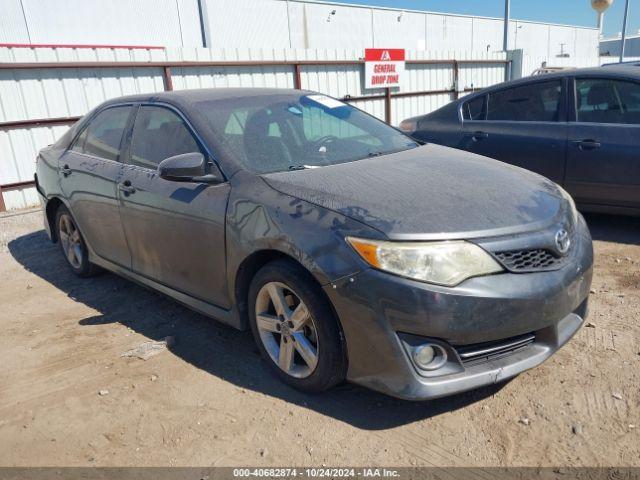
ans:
(574, 12)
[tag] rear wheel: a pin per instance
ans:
(72, 244)
(295, 328)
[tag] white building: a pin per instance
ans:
(277, 24)
(611, 46)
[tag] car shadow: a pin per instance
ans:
(216, 348)
(614, 228)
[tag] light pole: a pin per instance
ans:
(505, 40)
(624, 30)
(600, 6)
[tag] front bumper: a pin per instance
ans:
(375, 307)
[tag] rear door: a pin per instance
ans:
(175, 229)
(523, 125)
(89, 171)
(603, 164)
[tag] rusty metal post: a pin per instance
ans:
(37, 122)
(456, 78)
(168, 81)
(13, 186)
(297, 78)
(387, 105)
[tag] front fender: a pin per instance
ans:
(260, 218)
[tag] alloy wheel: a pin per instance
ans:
(70, 240)
(287, 329)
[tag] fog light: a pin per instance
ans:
(423, 355)
(429, 356)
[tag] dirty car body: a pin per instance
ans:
(271, 191)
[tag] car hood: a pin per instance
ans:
(430, 192)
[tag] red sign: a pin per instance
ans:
(384, 67)
(384, 55)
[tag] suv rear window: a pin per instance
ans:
(536, 102)
(475, 109)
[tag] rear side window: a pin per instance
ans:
(537, 102)
(475, 109)
(159, 133)
(102, 137)
(607, 101)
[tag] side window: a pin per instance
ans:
(159, 133)
(537, 102)
(475, 109)
(607, 101)
(78, 145)
(102, 137)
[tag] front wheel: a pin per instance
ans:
(295, 328)
(72, 244)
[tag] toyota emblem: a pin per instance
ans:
(563, 241)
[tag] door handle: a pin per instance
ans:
(65, 171)
(126, 187)
(477, 136)
(587, 144)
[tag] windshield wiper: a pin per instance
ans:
(377, 154)
(302, 167)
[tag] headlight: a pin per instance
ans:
(409, 125)
(572, 205)
(442, 263)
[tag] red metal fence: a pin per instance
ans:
(166, 67)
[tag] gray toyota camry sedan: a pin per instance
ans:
(350, 251)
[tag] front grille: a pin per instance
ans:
(484, 352)
(529, 260)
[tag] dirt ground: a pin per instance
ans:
(209, 400)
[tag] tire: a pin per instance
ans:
(72, 244)
(320, 328)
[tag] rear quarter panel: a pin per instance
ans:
(48, 180)
(442, 127)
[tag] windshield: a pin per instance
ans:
(272, 133)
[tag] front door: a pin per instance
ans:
(603, 164)
(175, 230)
(522, 125)
(89, 172)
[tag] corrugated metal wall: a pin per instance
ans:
(106, 22)
(13, 25)
(525, 65)
(542, 40)
(50, 93)
(276, 24)
(303, 24)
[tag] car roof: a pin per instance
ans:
(625, 71)
(192, 96)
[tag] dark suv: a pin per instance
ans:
(580, 128)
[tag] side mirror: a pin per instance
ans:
(188, 167)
